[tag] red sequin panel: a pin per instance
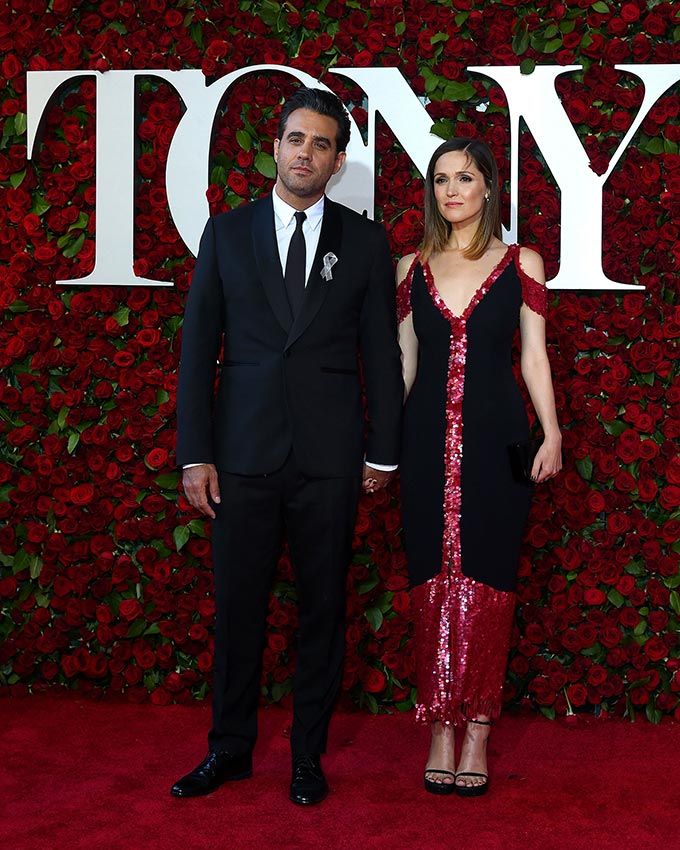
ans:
(534, 294)
(404, 291)
(462, 625)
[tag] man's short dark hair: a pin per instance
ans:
(323, 102)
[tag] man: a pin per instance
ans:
(297, 287)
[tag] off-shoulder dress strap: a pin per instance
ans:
(534, 294)
(404, 291)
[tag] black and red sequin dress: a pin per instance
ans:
(463, 513)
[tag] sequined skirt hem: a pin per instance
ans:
(458, 715)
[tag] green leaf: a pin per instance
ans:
(654, 146)
(218, 175)
(196, 33)
(20, 123)
(119, 27)
(42, 600)
(281, 689)
(367, 585)
(634, 568)
(122, 316)
(73, 441)
(615, 597)
(548, 711)
(197, 527)
(459, 91)
(244, 140)
(438, 37)
(600, 7)
(431, 84)
(400, 28)
(40, 205)
(652, 712)
(641, 628)
(520, 40)
(74, 249)
(552, 45)
(21, 562)
(615, 427)
(374, 617)
(17, 178)
(18, 307)
(551, 31)
(181, 536)
(527, 67)
(265, 164)
(675, 601)
(168, 481)
(585, 468)
(80, 222)
(647, 378)
(441, 129)
(461, 17)
(371, 702)
(136, 628)
(35, 566)
(673, 581)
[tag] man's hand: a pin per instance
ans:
(375, 479)
(199, 483)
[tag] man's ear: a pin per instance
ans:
(276, 150)
(339, 161)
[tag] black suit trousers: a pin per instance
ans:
(318, 516)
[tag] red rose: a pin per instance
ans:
(655, 649)
(156, 458)
(11, 67)
(82, 494)
(130, 609)
(374, 681)
(577, 695)
(238, 183)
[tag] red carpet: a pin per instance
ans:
(80, 774)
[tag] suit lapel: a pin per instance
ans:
(330, 239)
(268, 261)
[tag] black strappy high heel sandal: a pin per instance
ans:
(439, 787)
(474, 790)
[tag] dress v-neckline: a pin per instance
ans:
(478, 294)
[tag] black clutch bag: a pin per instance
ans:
(522, 456)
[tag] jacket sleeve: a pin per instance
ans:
(381, 357)
(201, 337)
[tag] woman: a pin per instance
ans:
(460, 300)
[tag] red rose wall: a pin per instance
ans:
(106, 576)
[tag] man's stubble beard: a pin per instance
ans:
(301, 188)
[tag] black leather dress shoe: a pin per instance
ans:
(308, 785)
(215, 769)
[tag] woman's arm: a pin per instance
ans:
(536, 374)
(408, 341)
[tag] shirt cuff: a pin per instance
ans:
(189, 465)
(381, 467)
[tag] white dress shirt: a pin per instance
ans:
(284, 223)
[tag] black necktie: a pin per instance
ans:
(294, 277)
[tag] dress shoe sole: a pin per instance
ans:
(307, 801)
(204, 792)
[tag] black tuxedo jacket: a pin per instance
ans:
(285, 383)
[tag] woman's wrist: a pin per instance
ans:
(552, 436)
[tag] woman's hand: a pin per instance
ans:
(548, 460)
